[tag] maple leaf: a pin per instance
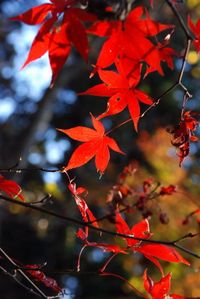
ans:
(161, 288)
(139, 230)
(158, 290)
(156, 55)
(150, 251)
(129, 37)
(11, 188)
(122, 93)
(196, 31)
(61, 27)
(96, 144)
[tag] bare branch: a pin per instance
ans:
(36, 290)
(101, 230)
(180, 19)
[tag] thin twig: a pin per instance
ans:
(189, 235)
(187, 49)
(101, 230)
(19, 170)
(180, 19)
(13, 276)
(35, 287)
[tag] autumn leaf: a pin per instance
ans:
(149, 250)
(96, 144)
(196, 31)
(35, 15)
(163, 252)
(139, 230)
(158, 290)
(62, 26)
(11, 188)
(129, 37)
(161, 288)
(122, 93)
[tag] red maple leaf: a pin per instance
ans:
(196, 31)
(96, 144)
(139, 230)
(11, 188)
(129, 37)
(156, 55)
(122, 93)
(61, 27)
(158, 290)
(149, 250)
(161, 288)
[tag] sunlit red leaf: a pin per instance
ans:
(128, 37)
(139, 230)
(96, 145)
(40, 44)
(158, 290)
(162, 252)
(151, 251)
(161, 288)
(59, 48)
(62, 26)
(122, 93)
(35, 15)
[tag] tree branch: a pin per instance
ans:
(180, 19)
(36, 290)
(101, 230)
